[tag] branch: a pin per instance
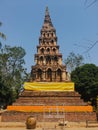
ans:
(91, 47)
(85, 3)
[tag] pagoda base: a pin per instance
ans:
(16, 116)
(49, 106)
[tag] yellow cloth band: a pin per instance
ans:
(49, 86)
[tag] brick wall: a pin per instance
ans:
(13, 116)
(48, 98)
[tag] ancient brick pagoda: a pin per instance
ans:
(50, 90)
(48, 60)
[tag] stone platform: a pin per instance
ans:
(49, 98)
(16, 116)
(72, 100)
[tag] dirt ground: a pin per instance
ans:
(45, 126)
(19, 128)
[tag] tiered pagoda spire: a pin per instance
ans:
(47, 17)
(48, 59)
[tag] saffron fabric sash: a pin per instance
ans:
(49, 86)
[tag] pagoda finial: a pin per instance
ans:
(47, 17)
(47, 12)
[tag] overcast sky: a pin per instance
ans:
(76, 26)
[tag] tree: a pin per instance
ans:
(86, 81)
(5, 94)
(12, 71)
(73, 61)
(2, 35)
(89, 3)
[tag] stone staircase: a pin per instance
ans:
(46, 98)
(50, 98)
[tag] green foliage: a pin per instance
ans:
(12, 73)
(5, 94)
(86, 81)
(2, 35)
(73, 61)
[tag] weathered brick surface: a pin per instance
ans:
(41, 72)
(50, 101)
(48, 98)
(49, 94)
(69, 116)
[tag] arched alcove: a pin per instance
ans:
(48, 60)
(41, 59)
(59, 75)
(54, 51)
(42, 50)
(39, 74)
(49, 74)
(48, 50)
